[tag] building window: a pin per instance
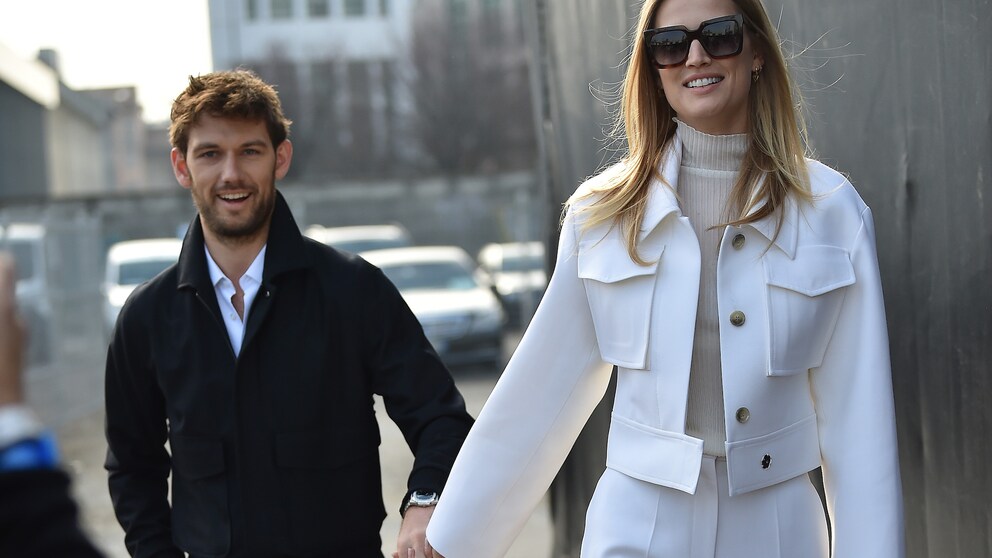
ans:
(282, 9)
(318, 8)
(354, 7)
(251, 10)
(384, 8)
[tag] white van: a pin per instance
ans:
(131, 263)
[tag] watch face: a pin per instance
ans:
(420, 497)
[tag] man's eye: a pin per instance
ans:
(252, 151)
(207, 154)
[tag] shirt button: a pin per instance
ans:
(232, 316)
(766, 461)
(738, 241)
(737, 318)
(743, 415)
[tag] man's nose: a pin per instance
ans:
(230, 170)
(697, 54)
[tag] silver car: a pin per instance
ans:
(459, 310)
(517, 270)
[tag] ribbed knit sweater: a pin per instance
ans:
(706, 177)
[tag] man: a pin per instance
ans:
(37, 516)
(256, 358)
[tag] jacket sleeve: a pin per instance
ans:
(417, 390)
(852, 392)
(136, 430)
(544, 397)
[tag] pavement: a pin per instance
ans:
(70, 398)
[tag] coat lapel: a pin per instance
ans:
(662, 200)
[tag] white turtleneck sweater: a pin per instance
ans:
(709, 169)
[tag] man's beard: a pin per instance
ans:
(236, 232)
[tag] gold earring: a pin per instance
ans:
(755, 73)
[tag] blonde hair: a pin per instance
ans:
(775, 157)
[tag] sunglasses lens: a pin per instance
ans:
(669, 47)
(723, 38)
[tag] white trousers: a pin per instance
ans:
(630, 518)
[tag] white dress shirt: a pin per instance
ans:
(224, 288)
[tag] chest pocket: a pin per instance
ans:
(620, 294)
(805, 296)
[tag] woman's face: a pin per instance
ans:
(709, 94)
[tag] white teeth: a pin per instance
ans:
(703, 82)
(232, 197)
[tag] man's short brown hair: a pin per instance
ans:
(230, 94)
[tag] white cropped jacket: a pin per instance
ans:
(805, 362)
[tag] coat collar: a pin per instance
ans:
(662, 202)
(284, 250)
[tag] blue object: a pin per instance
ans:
(32, 453)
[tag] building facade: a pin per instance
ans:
(338, 66)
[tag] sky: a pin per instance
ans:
(153, 45)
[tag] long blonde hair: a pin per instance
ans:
(773, 167)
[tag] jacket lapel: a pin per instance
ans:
(662, 200)
(788, 235)
(285, 253)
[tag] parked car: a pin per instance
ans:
(131, 263)
(517, 270)
(361, 238)
(26, 242)
(460, 313)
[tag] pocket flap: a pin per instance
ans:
(814, 271)
(612, 265)
(195, 457)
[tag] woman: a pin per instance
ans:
(735, 286)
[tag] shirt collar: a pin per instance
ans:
(254, 271)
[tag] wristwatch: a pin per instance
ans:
(420, 499)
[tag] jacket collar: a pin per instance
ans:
(662, 202)
(284, 250)
(788, 235)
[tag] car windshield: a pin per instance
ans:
(523, 263)
(366, 244)
(135, 273)
(430, 275)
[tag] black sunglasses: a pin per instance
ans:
(721, 37)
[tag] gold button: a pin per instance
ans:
(743, 415)
(737, 318)
(738, 241)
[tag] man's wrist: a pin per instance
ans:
(420, 498)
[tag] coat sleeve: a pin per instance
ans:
(417, 390)
(547, 392)
(852, 392)
(136, 430)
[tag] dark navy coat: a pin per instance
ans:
(273, 452)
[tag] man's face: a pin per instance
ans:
(231, 168)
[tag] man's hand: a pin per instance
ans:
(412, 542)
(12, 337)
